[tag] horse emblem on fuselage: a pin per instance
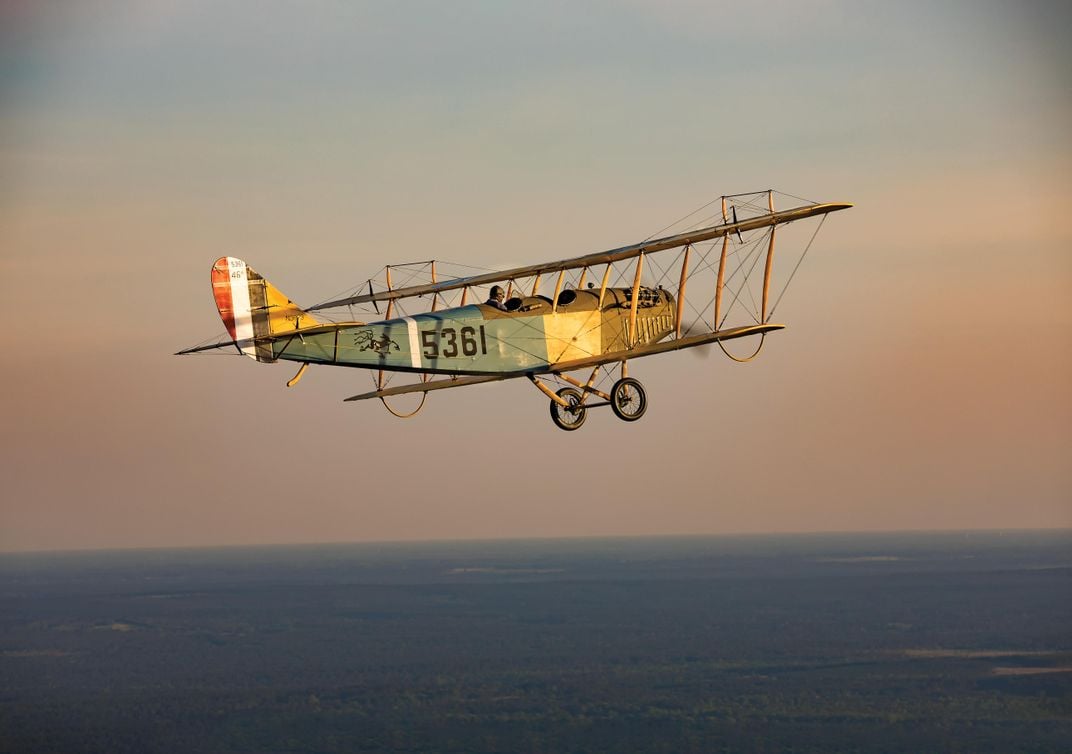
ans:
(368, 342)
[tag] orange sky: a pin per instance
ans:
(922, 383)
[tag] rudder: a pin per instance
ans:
(252, 309)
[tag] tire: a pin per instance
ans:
(567, 419)
(628, 400)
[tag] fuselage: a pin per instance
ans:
(481, 339)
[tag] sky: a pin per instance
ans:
(922, 382)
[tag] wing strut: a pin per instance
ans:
(681, 291)
(636, 299)
(721, 272)
(769, 265)
(390, 311)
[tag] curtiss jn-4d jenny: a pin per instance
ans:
(605, 309)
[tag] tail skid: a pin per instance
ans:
(252, 309)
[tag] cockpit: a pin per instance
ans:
(519, 304)
(572, 300)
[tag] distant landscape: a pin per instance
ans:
(952, 642)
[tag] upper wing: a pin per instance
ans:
(603, 257)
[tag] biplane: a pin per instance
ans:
(694, 287)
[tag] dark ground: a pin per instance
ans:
(817, 643)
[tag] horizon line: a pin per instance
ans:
(558, 538)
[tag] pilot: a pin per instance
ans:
(496, 296)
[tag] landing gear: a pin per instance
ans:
(628, 400)
(570, 418)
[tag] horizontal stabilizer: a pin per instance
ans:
(209, 347)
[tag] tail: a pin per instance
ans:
(252, 309)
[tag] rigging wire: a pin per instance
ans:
(736, 294)
(686, 217)
(797, 266)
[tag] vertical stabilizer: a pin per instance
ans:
(252, 309)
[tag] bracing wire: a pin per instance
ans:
(797, 266)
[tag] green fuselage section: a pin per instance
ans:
(533, 336)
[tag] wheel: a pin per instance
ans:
(628, 400)
(568, 419)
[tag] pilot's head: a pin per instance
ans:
(497, 293)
